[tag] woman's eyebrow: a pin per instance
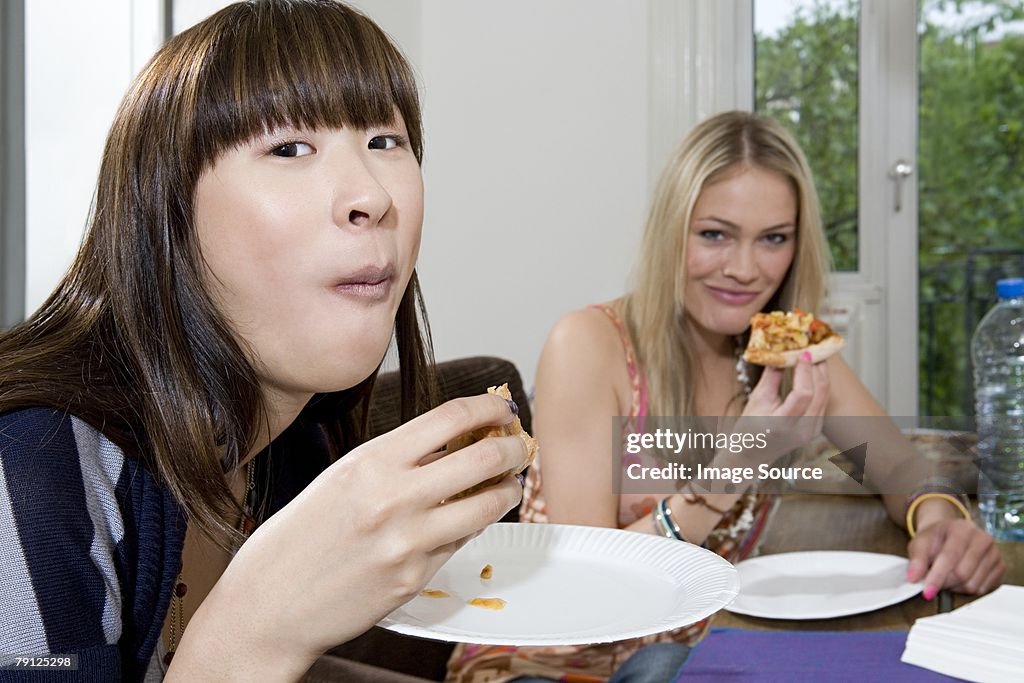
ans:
(283, 130)
(734, 226)
(716, 219)
(780, 226)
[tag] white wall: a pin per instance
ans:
(536, 119)
(536, 152)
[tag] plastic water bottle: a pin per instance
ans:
(997, 350)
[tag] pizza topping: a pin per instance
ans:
(488, 603)
(819, 330)
(780, 331)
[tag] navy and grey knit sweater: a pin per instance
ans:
(90, 546)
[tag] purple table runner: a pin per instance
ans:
(741, 655)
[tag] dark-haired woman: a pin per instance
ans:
(250, 256)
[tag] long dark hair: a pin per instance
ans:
(130, 341)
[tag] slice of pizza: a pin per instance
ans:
(513, 428)
(779, 338)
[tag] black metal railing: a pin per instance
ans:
(953, 297)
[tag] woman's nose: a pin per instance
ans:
(741, 264)
(360, 199)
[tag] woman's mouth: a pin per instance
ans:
(371, 283)
(732, 297)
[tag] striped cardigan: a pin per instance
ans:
(90, 543)
(90, 546)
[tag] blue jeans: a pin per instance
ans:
(657, 663)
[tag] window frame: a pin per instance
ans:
(12, 162)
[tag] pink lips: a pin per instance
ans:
(371, 283)
(732, 297)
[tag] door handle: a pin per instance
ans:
(898, 173)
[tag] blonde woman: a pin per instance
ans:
(734, 229)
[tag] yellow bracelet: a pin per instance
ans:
(912, 508)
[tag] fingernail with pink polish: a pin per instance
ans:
(806, 355)
(930, 591)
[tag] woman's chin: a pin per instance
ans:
(332, 385)
(731, 325)
(347, 369)
(351, 376)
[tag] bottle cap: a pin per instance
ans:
(1010, 288)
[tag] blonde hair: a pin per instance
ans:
(653, 311)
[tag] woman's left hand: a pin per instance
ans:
(954, 553)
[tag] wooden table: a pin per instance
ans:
(832, 522)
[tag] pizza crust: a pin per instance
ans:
(827, 347)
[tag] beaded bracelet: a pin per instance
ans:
(918, 499)
(666, 514)
(664, 525)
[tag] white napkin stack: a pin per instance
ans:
(982, 641)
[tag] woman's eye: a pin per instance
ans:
(292, 149)
(776, 238)
(712, 235)
(386, 142)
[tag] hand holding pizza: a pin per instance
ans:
(807, 398)
(804, 406)
(363, 538)
(798, 340)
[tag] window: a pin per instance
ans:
(971, 183)
(806, 76)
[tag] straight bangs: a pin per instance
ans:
(299, 64)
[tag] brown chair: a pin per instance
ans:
(462, 377)
(378, 654)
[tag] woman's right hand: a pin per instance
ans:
(807, 399)
(793, 421)
(358, 542)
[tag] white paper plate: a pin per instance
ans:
(568, 585)
(821, 584)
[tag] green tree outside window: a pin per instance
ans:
(970, 158)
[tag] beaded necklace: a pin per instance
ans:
(742, 369)
(176, 628)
